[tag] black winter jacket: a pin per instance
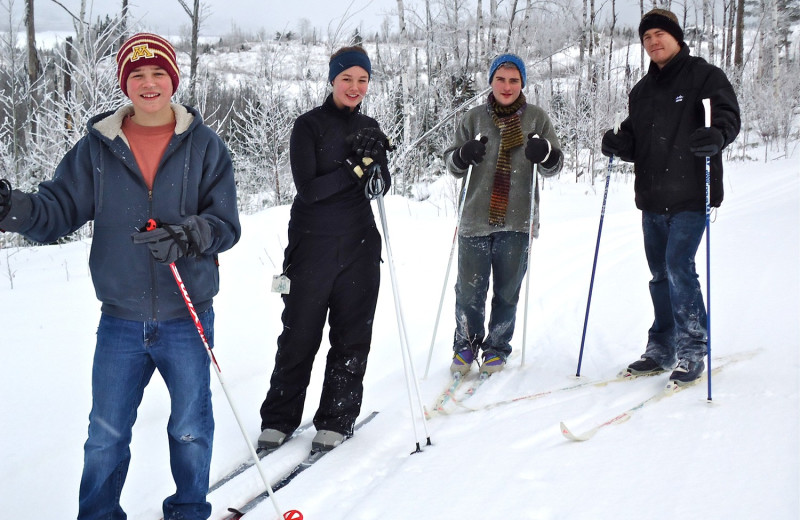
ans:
(665, 107)
(330, 199)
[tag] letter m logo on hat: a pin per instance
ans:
(141, 51)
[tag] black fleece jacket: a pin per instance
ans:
(330, 198)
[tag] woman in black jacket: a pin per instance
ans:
(332, 261)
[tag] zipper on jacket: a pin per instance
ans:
(153, 277)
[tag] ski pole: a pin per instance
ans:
(534, 182)
(597, 249)
(707, 110)
(151, 225)
(450, 259)
(374, 190)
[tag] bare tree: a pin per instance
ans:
(195, 16)
(511, 15)
(34, 67)
(611, 35)
(123, 24)
(739, 46)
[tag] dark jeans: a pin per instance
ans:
(337, 278)
(504, 257)
(679, 328)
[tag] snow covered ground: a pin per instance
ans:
(737, 458)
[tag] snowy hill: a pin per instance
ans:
(736, 458)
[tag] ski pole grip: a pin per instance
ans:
(617, 122)
(482, 138)
(707, 110)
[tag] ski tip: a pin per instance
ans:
(566, 432)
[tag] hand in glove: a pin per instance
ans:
(357, 166)
(168, 242)
(5, 198)
(370, 142)
(706, 142)
(538, 149)
(618, 144)
(471, 152)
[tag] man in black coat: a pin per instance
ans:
(666, 138)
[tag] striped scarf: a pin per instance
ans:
(507, 119)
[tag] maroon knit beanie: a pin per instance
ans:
(146, 49)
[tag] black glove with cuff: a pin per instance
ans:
(706, 142)
(618, 144)
(5, 198)
(470, 153)
(168, 242)
(370, 142)
(355, 166)
(538, 149)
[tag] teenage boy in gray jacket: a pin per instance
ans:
(493, 234)
(148, 160)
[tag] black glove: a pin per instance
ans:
(471, 152)
(538, 149)
(356, 166)
(168, 242)
(370, 142)
(618, 144)
(706, 142)
(5, 198)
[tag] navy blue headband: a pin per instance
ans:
(346, 60)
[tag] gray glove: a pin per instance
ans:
(168, 242)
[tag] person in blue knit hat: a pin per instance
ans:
(494, 230)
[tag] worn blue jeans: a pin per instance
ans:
(127, 354)
(679, 329)
(503, 256)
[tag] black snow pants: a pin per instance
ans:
(335, 277)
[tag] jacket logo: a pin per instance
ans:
(141, 51)
(679, 98)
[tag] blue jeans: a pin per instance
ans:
(679, 329)
(503, 256)
(127, 354)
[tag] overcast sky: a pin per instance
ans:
(167, 16)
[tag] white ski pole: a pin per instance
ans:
(374, 190)
(450, 259)
(534, 180)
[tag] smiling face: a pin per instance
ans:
(350, 87)
(150, 90)
(660, 45)
(506, 85)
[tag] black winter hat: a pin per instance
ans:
(661, 19)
